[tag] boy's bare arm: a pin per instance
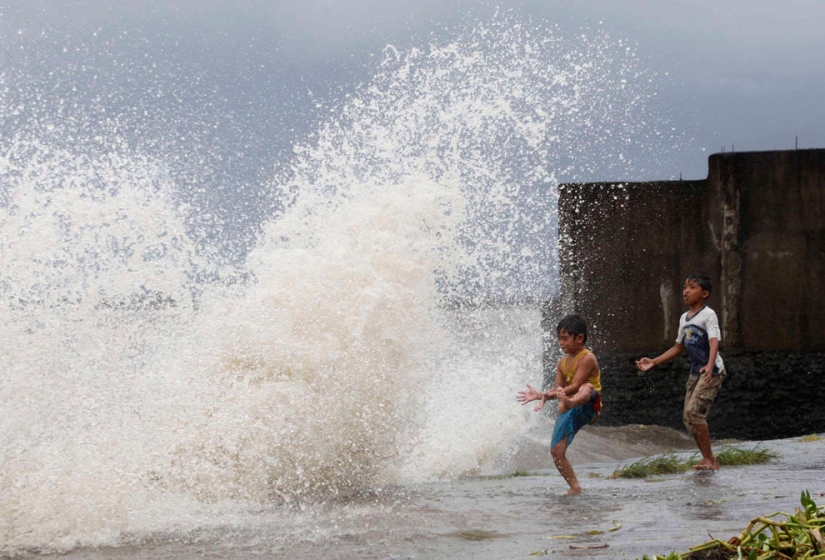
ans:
(584, 369)
(646, 364)
(559, 381)
(707, 370)
(530, 394)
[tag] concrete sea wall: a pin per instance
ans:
(757, 226)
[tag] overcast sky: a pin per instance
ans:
(741, 74)
(221, 93)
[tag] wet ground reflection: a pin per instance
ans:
(519, 516)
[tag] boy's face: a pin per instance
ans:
(693, 293)
(570, 344)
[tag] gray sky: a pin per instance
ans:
(747, 74)
(221, 91)
(743, 73)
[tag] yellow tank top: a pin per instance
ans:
(568, 370)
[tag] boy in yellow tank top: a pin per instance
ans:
(577, 388)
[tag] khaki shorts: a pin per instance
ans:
(699, 396)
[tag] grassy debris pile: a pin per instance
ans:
(652, 466)
(797, 537)
(729, 455)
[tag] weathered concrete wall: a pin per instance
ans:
(757, 400)
(782, 247)
(623, 249)
(757, 226)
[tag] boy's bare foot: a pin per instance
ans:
(706, 465)
(573, 492)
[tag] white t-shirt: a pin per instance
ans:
(695, 334)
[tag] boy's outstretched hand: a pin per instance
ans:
(645, 364)
(527, 395)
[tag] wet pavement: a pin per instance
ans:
(486, 518)
(649, 516)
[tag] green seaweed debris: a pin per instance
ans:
(796, 537)
(732, 456)
(651, 466)
(728, 455)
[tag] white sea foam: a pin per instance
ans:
(148, 391)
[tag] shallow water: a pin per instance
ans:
(514, 517)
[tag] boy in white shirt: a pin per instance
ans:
(698, 334)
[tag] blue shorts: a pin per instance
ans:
(570, 422)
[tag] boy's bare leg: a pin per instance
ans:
(565, 468)
(582, 396)
(702, 438)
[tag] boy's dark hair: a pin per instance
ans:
(703, 280)
(574, 325)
